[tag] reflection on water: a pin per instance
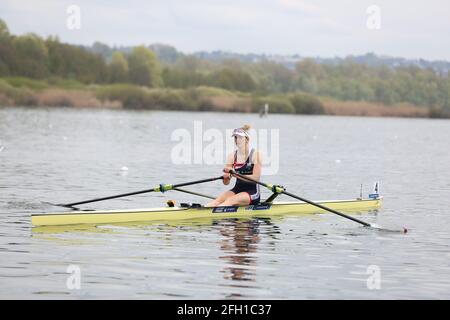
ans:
(239, 241)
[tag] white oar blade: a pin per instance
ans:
(381, 228)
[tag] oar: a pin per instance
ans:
(160, 188)
(278, 189)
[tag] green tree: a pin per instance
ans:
(144, 68)
(32, 56)
(308, 67)
(102, 49)
(118, 68)
(68, 61)
(4, 31)
(272, 77)
(7, 54)
(165, 52)
(191, 64)
(232, 79)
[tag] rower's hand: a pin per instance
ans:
(226, 176)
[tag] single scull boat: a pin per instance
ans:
(185, 212)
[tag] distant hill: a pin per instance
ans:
(170, 54)
(374, 60)
(290, 61)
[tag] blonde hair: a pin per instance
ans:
(246, 127)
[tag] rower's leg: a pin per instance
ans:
(224, 196)
(240, 199)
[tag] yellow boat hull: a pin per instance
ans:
(170, 214)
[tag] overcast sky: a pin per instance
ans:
(326, 28)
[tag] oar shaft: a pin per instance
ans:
(304, 200)
(326, 208)
(196, 182)
(107, 198)
(142, 191)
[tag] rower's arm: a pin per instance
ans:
(257, 161)
(230, 160)
(228, 166)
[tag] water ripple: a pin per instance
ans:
(55, 155)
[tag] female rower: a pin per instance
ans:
(244, 161)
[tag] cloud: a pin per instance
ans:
(217, 15)
(301, 5)
(308, 27)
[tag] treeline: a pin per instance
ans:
(33, 57)
(48, 59)
(351, 81)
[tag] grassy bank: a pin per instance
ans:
(373, 109)
(27, 92)
(69, 93)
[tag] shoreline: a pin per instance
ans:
(99, 109)
(201, 99)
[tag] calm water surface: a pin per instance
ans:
(61, 155)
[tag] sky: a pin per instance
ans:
(324, 28)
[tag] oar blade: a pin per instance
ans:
(390, 229)
(59, 205)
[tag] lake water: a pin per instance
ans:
(64, 155)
